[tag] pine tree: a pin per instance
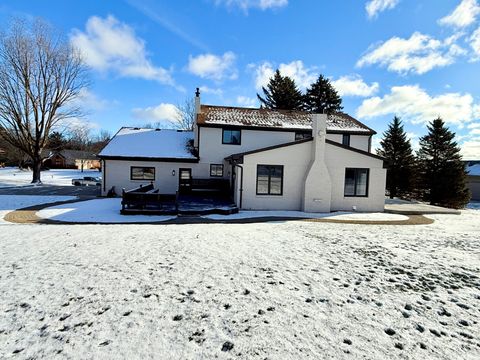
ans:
(396, 149)
(321, 97)
(442, 176)
(281, 93)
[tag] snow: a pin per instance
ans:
(9, 203)
(304, 215)
(12, 177)
(289, 290)
(234, 116)
(149, 143)
(474, 170)
(97, 210)
(474, 205)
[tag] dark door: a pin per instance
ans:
(184, 180)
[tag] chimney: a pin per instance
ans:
(197, 101)
(318, 185)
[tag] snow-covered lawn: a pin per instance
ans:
(13, 202)
(15, 177)
(290, 290)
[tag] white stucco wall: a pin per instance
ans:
(356, 141)
(338, 159)
(295, 160)
(212, 150)
(118, 175)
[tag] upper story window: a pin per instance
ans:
(302, 135)
(231, 137)
(142, 173)
(356, 182)
(346, 139)
(269, 179)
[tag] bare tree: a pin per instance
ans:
(185, 115)
(40, 75)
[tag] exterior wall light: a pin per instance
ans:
(173, 172)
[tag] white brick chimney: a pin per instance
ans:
(318, 185)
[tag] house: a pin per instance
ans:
(473, 179)
(272, 160)
(70, 159)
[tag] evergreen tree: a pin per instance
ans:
(442, 176)
(396, 149)
(321, 97)
(56, 141)
(281, 93)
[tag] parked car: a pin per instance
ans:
(87, 181)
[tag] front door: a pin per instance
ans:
(184, 179)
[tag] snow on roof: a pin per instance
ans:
(286, 119)
(149, 143)
(474, 170)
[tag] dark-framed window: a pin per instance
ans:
(300, 135)
(142, 173)
(231, 136)
(216, 170)
(356, 182)
(346, 139)
(269, 179)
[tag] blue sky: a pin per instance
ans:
(417, 59)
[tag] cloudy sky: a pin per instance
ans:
(418, 59)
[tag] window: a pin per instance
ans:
(269, 179)
(346, 139)
(302, 135)
(216, 170)
(142, 173)
(231, 137)
(356, 182)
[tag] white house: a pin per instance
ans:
(272, 160)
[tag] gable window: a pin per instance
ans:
(216, 170)
(346, 139)
(302, 135)
(356, 182)
(269, 179)
(142, 173)
(231, 137)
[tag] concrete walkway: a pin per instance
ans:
(404, 207)
(28, 216)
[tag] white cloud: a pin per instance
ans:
(109, 45)
(246, 101)
(210, 66)
(161, 113)
(247, 4)
(418, 54)
(470, 150)
(303, 76)
(208, 90)
(464, 14)
(89, 101)
(474, 40)
(374, 7)
(474, 125)
(354, 86)
(415, 104)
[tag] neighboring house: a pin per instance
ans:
(473, 179)
(273, 160)
(70, 159)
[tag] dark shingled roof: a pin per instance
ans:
(277, 119)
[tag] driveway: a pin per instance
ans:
(52, 190)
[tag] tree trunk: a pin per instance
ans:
(37, 166)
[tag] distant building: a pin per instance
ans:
(70, 159)
(473, 178)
